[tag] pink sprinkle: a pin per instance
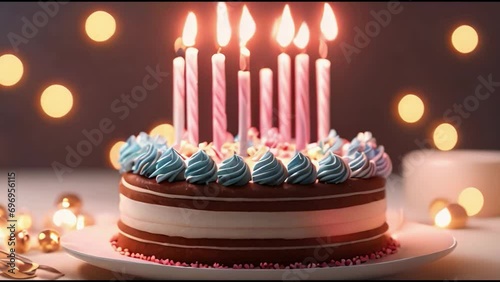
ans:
(391, 248)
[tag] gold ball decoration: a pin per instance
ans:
(49, 241)
(458, 216)
(22, 241)
(69, 201)
(436, 206)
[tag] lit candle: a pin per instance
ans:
(266, 100)
(179, 99)
(188, 38)
(286, 32)
(329, 31)
(302, 115)
(219, 78)
(247, 30)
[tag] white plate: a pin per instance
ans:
(420, 244)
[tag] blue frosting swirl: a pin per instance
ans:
(354, 146)
(134, 148)
(383, 163)
(145, 164)
(333, 170)
(369, 151)
(337, 141)
(301, 170)
(201, 169)
(269, 170)
(128, 153)
(170, 167)
(234, 171)
(360, 166)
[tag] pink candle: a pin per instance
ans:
(219, 100)
(285, 96)
(247, 30)
(188, 38)
(219, 78)
(266, 100)
(302, 115)
(243, 100)
(323, 97)
(286, 31)
(179, 96)
(329, 31)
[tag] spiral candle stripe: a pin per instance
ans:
(219, 100)
(266, 100)
(302, 122)
(179, 99)
(192, 94)
(323, 99)
(285, 102)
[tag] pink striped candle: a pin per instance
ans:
(219, 100)
(179, 102)
(323, 97)
(329, 31)
(302, 115)
(266, 100)
(192, 94)
(284, 36)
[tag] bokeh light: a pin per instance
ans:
(114, 154)
(443, 218)
(11, 70)
(100, 26)
(166, 131)
(445, 137)
(411, 108)
(465, 39)
(472, 200)
(56, 101)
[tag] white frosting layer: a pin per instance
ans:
(320, 244)
(190, 223)
(220, 199)
(184, 217)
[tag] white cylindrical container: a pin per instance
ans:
(429, 175)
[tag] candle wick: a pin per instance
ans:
(219, 50)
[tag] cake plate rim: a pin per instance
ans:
(92, 245)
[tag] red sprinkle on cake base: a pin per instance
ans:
(391, 248)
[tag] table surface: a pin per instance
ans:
(477, 255)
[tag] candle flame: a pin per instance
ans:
(223, 26)
(247, 26)
(286, 28)
(329, 27)
(302, 37)
(443, 218)
(190, 30)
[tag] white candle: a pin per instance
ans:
(302, 115)
(284, 36)
(266, 100)
(323, 97)
(179, 96)
(243, 100)
(192, 94)
(219, 100)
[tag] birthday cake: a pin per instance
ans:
(199, 205)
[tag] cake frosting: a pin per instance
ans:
(198, 204)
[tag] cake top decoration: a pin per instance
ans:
(201, 169)
(333, 169)
(269, 171)
(301, 170)
(170, 167)
(234, 171)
